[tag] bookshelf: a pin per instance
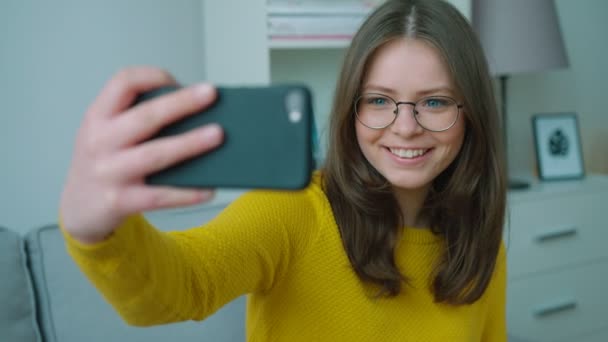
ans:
(235, 35)
(319, 24)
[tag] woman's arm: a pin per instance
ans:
(153, 277)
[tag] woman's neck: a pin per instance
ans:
(411, 201)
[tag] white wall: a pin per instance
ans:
(582, 88)
(54, 58)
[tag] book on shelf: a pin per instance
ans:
(304, 26)
(320, 7)
(315, 19)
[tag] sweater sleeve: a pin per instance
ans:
(153, 277)
(495, 328)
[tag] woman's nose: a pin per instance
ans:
(405, 123)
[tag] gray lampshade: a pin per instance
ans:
(519, 35)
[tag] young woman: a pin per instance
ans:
(397, 238)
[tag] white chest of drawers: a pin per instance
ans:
(557, 251)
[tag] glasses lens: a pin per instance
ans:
(375, 110)
(436, 113)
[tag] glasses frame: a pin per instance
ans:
(414, 111)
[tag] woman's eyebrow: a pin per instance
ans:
(435, 90)
(442, 89)
(380, 89)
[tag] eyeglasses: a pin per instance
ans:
(433, 113)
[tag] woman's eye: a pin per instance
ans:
(434, 103)
(378, 101)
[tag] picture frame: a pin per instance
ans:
(558, 146)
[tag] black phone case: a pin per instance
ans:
(267, 140)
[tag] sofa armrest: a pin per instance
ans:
(17, 302)
(71, 309)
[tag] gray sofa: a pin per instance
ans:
(45, 298)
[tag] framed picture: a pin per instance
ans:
(558, 146)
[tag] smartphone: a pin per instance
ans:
(268, 140)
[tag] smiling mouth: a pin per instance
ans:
(409, 153)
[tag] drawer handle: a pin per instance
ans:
(560, 234)
(556, 308)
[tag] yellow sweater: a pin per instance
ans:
(284, 250)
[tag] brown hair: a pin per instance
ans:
(466, 203)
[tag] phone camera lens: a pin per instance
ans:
(294, 103)
(295, 116)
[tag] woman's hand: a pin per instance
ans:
(105, 182)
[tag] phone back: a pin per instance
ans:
(267, 140)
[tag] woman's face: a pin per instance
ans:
(407, 155)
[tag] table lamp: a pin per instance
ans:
(518, 36)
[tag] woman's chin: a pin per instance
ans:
(410, 183)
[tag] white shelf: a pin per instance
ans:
(277, 44)
(321, 8)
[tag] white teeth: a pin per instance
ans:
(403, 153)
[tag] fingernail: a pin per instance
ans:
(203, 90)
(206, 195)
(211, 131)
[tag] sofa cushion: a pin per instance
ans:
(17, 303)
(71, 309)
